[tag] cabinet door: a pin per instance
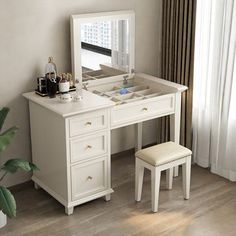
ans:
(88, 146)
(89, 178)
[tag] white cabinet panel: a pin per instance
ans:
(88, 146)
(89, 178)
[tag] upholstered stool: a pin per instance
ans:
(160, 157)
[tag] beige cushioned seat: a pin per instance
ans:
(163, 153)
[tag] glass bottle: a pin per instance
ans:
(78, 92)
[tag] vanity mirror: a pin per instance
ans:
(102, 45)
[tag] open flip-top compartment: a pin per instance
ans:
(134, 91)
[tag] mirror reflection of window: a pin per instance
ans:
(96, 45)
(105, 43)
(120, 44)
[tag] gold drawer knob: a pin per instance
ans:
(89, 178)
(145, 109)
(89, 147)
(88, 123)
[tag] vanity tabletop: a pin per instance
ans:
(90, 102)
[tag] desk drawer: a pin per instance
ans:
(88, 146)
(88, 122)
(131, 113)
(89, 178)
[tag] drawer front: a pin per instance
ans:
(88, 146)
(145, 109)
(85, 123)
(89, 178)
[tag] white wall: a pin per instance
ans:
(30, 31)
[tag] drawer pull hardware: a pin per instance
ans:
(89, 178)
(145, 109)
(89, 147)
(88, 123)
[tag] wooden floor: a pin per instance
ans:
(211, 210)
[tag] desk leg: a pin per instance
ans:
(69, 210)
(107, 197)
(139, 136)
(175, 126)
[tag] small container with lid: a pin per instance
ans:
(64, 88)
(64, 84)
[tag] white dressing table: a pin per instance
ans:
(71, 142)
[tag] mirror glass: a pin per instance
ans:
(105, 43)
(102, 46)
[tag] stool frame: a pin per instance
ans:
(156, 177)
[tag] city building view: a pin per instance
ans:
(98, 34)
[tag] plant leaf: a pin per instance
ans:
(33, 166)
(13, 165)
(7, 202)
(3, 114)
(6, 137)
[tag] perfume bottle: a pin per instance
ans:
(78, 92)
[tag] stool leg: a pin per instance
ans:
(139, 172)
(155, 183)
(169, 178)
(186, 172)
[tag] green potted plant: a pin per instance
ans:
(7, 201)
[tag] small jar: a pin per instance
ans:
(64, 85)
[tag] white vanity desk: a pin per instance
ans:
(71, 142)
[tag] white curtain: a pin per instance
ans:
(120, 44)
(214, 98)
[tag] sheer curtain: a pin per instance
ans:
(120, 44)
(214, 98)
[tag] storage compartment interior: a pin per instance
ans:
(92, 75)
(104, 72)
(123, 94)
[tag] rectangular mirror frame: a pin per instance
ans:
(75, 23)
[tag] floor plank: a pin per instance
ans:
(211, 209)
